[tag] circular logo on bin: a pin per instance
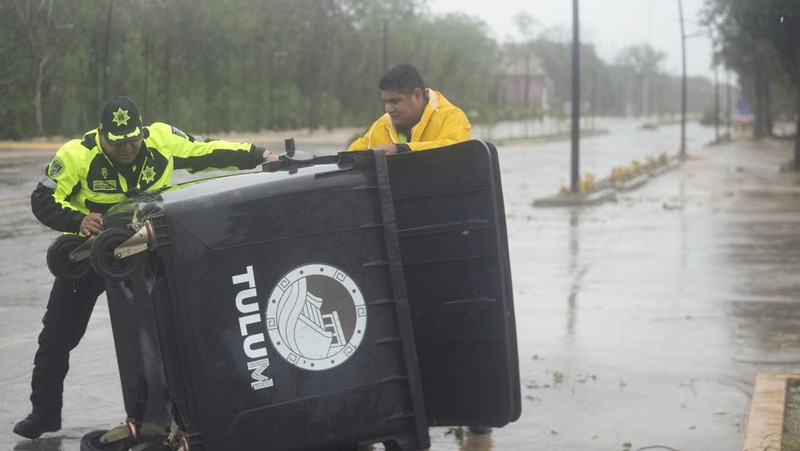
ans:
(316, 317)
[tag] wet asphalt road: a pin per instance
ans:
(640, 322)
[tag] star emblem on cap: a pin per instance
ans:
(149, 174)
(120, 117)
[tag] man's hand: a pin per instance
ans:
(390, 149)
(269, 156)
(92, 224)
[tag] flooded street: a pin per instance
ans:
(641, 322)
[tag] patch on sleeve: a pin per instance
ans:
(179, 132)
(56, 167)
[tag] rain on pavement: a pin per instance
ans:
(640, 322)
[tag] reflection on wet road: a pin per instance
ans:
(639, 322)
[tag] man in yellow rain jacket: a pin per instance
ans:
(417, 118)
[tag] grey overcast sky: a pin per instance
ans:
(611, 25)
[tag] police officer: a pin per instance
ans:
(119, 159)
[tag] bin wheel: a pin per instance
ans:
(105, 264)
(151, 446)
(58, 261)
(91, 442)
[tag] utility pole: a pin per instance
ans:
(728, 103)
(385, 45)
(576, 96)
(683, 83)
(716, 103)
(526, 117)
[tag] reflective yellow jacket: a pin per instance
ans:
(82, 179)
(442, 124)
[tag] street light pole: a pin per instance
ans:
(385, 45)
(728, 104)
(683, 83)
(576, 96)
(716, 103)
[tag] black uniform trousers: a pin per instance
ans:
(64, 323)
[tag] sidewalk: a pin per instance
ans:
(644, 321)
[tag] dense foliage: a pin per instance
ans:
(759, 40)
(249, 65)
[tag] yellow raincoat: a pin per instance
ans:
(442, 124)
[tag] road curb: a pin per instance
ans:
(767, 407)
(608, 190)
(576, 200)
(29, 145)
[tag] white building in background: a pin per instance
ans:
(523, 82)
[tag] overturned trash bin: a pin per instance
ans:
(451, 226)
(324, 303)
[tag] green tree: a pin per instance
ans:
(644, 61)
(760, 42)
(47, 32)
(775, 25)
(213, 66)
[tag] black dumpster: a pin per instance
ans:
(319, 304)
(451, 224)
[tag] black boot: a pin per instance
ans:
(36, 424)
(479, 430)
